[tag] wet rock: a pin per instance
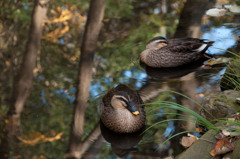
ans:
(201, 148)
(228, 156)
(220, 105)
(236, 152)
(230, 79)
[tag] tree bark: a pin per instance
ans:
(23, 81)
(191, 18)
(95, 148)
(89, 44)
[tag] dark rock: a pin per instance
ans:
(220, 105)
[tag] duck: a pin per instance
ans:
(162, 74)
(122, 110)
(121, 143)
(165, 53)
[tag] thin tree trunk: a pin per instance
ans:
(191, 18)
(90, 139)
(23, 81)
(95, 148)
(92, 30)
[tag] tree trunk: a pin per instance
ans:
(23, 81)
(191, 18)
(95, 148)
(92, 30)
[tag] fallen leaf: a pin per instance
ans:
(223, 146)
(188, 141)
(199, 129)
(212, 153)
(226, 132)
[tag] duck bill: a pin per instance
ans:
(132, 109)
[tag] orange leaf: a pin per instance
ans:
(223, 146)
(199, 129)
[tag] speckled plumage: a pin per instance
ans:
(174, 52)
(122, 120)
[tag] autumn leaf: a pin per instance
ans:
(51, 139)
(199, 129)
(230, 133)
(187, 141)
(212, 153)
(35, 137)
(57, 33)
(223, 146)
(68, 18)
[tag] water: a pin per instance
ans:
(153, 85)
(117, 62)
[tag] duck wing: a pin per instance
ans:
(188, 45)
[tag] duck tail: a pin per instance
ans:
(207, 55)
(210, 43)
(207, 45)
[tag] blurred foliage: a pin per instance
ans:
(127, 26)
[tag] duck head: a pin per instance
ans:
(121, 100)
(122, 110)
(157, 43)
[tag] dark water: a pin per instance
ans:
(153, 85)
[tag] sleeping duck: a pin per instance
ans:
(161, 52)
(122, 111)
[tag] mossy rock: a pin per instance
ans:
(236, 152)
(220, 105)
(231, 77)
(201, 148)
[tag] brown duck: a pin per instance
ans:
(122, 110)
(161, 52)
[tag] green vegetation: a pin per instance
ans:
(127, 27)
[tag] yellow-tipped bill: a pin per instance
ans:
(136, 112)
(131, 108)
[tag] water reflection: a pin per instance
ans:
(52, 112)
(159, 74)
(121, 143)
(224, 38)
(191, 80)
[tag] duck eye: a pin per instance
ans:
(122, 99)
(165, 42)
